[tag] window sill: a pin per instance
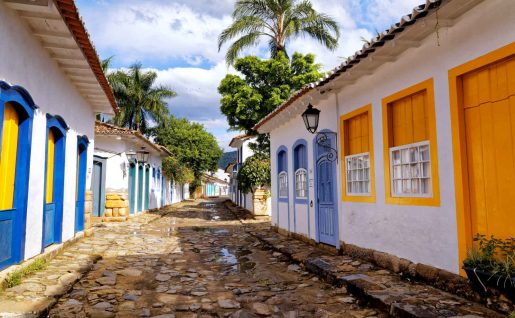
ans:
(359, 198)
(301, 200)
(418, 201)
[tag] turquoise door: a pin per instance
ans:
(140, 188)
(132, 188)
(147, 187)
(327, 212)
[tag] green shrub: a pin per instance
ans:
(492, 255)
(254, 173)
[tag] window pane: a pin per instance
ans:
(406, 172)
(357, 172)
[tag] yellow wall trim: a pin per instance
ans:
(371, 198)
(428, 87)
(463, 217)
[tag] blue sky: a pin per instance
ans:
(178, 40)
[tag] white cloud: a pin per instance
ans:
(197, 94)
(178, 40)
(162, 31)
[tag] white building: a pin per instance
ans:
(241, 144)
(51, 87)
(123, 186)
(420, 122)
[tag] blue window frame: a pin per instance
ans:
(282, 173)
(300, 175)
(13, 221)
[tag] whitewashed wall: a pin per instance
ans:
(418, 233)
(291, 216)
(27, 64)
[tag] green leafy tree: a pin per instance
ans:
(265, 84)
(142, 103)
(277, 21)
(177, 171)
(192, 145)
(254, 173)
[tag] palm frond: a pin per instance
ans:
(243, 42)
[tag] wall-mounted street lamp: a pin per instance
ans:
(142, 155)
(311, 117)
(131, 155)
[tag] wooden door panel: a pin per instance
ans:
(489, 108)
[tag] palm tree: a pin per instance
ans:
(277, 20)
(141, 102)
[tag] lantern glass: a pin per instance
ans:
(145, 156)
(311, 116)
(131, 155)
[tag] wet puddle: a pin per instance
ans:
(236, 261)
(212, 230)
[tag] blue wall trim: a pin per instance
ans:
(302, 164)
(279, 199)
(25, 107)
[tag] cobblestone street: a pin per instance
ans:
(197, 261)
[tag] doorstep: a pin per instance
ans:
(379, 287)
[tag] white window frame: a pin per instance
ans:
(416, 162)
(350, 170)
(299, 182)
(283, 174)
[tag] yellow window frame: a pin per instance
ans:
(434, 200)
(463, 217)
(368, 198)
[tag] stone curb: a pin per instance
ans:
(41, 307)
(361, 285)
(49, 253)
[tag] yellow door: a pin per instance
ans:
(489, 109)
(8, 157)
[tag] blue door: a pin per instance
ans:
(327, 211)
(16, 113)
(82, 149)
(96, 189)
(54, 185)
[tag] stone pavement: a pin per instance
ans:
(197, 260)
(375, 286)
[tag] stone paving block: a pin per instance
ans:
(400, 298)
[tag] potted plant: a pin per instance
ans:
(491, 263)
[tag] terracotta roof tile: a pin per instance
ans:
(367, 49)
(70, 15)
